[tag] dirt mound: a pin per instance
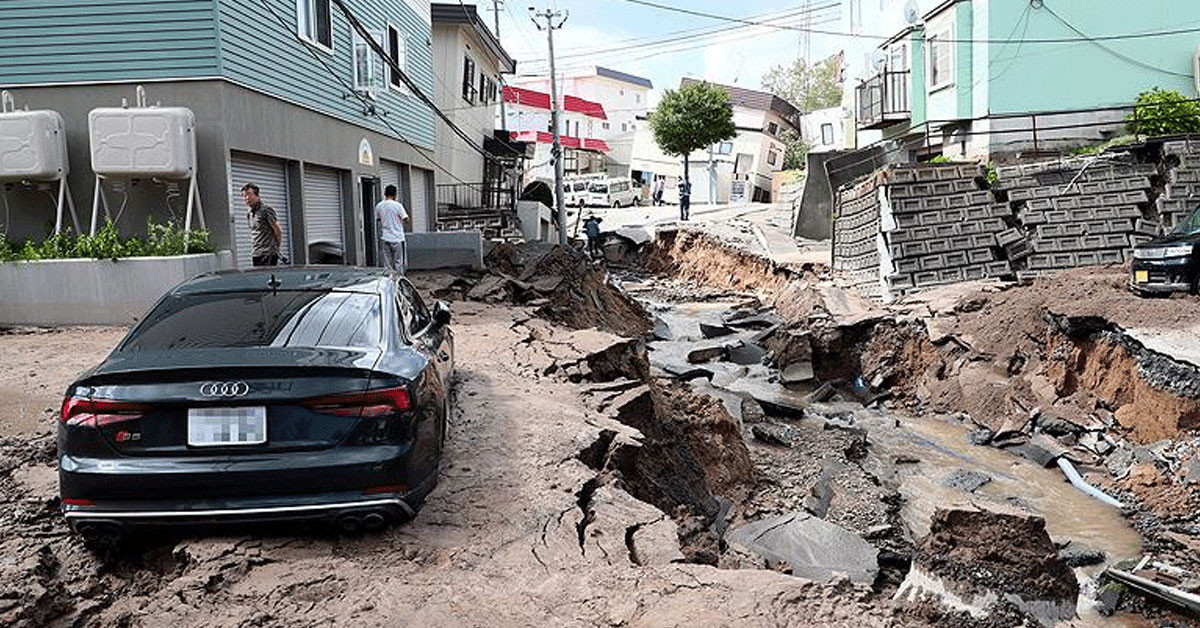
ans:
(564, 286)
(1006, 552)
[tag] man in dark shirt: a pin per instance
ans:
(265, 234)
(591, 227)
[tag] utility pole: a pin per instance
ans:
(496, 4)
(556, 148)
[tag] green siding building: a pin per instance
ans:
(277, 88)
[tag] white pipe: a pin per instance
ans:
(1078, 482)
(1162, 591)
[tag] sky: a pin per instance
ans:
(706, 49)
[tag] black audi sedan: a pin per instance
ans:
(1169, 263)
(285, 393)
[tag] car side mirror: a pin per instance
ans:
(441, 313)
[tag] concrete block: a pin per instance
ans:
(1146, 227)
(969, 228)
(975, 213)
(1089, 187)
(1110, 199)
(1115, 185)
(1088, 200)
(921, 233)
(998, 269)
(981, 197)
(1044, 245)
(907, 221)
(953, 215)
(974, 272)
(954, 259)
(937, 246)
(445, 249)
(980, 256)
(1088, 242)
(908, 266)
(944, 231)
(1087, 258)
(1041, 261)
(907, 205)
(930, 217)
(959, 243)
(1104, 213)
(925, 279)
(1137, 238)
(1008, 172)
(1128, 211)
(1136, 196)
(1110, 257)
(1020, 194)
(1058, 215)
(913, 249)
(1116, 241)
(1065, 202)
(963, 185)
(983, 240)
(941, 188)
(1041, 204)
(903, 175)
(999, 210)
(1062, 260)
(1080, 214)
(991, 225)
(1004, 238)
(1033, 218)
(901, 282)
(935, 202)
(932, 262)
(950, 275)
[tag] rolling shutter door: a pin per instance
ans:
(270, 175)
(323, 207)
(420, 200)
(389, 174)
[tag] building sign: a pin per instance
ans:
(737, 191)
(366, 156)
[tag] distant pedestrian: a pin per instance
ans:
(391, 218)
(659, 185)
(591, 227)
(685, 199)
(265, 234)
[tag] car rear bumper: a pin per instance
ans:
(330, 506)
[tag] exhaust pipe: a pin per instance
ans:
(350, 524)
(99, 531)
(374, 521)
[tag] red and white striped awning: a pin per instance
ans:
(568, 141)
(541, 100)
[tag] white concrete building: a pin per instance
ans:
(824, 129)
(527, 113)
(624, 98)
(732, 171)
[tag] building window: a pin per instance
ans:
(941, 59)
(397, 47)
(493, 91)
(368, 69)
(314, 22)
(725, 148)
(637, 98)
(468, 80)
(772, 157)
(827, 133)
(604, 125)
(772, 128)
(898, 61)
(624, 127)
(483, 91)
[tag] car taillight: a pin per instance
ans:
(370, 403)
(96, 412)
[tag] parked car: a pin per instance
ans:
(1169, 263)
(575, 193)
(612, 193)
(284, 393)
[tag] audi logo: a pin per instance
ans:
(224, 389)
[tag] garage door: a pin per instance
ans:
(323, 213)
(270, 175)
(420, 199)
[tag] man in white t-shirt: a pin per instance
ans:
(391, 218)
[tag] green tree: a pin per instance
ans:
(1163, 112)
(695, 116)
(807, 87)
(795, 152)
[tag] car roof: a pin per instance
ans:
(345, 278)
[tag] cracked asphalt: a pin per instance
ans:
(511, 537)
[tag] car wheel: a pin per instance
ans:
(616, 204)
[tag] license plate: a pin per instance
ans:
(1141, 276)
(211, 427)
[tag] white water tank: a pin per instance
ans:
(143, 142)
(33, 146)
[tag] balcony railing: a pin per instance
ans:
(883, 99)
(485, 206)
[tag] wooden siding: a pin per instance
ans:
(63, 41)
(262, 53)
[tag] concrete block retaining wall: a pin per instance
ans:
(94, 292)
(445, 249)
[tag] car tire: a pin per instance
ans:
(616, 204)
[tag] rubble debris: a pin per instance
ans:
(752, 411)
(745, 353)
(705, 354)
(972, 560)
(1078, 482)
(811, 547)
(797, 373)
(1076, 554)
(966, 480)
(715, 331)
(774, 434)
(1165, 593)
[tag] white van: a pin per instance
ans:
(612, 193)
(575, 193)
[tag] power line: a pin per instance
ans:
(367, 104)
(1111, 51)
(1051, 40)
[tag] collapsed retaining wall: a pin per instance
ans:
(915, 226)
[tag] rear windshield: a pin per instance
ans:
(1190, 225)
(256, 319)
(602, 188)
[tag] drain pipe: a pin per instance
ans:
(1078, 482)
